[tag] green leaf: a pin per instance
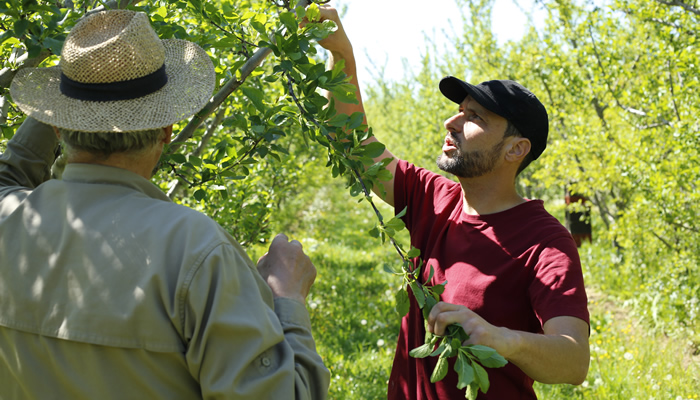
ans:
(495, 361)
(338, 120)
(54, 45)
(389, 268)
(465, 372)
(178, 158)
(373, 149)
(422, 351)
(440, 370)
(413, 253)
(20, 27)
(439, 289)
(429, 304)
(402, 213)
(356, 189)
(374, 232)
(162, 11)
(289, 21)
(356, 120)
(7, 132)
(402, 302)
(300, 11)
(344, 93)
(200, 194)
(384, 175)
(255, 95)
(5, 35)
(260, 27)
(418, 294)
(194, 160)
(437, 351)
(395, 224)
(487, 356)
(33, 49)
(430, 275)
(313, 14)
(481, 377)
(472, 391)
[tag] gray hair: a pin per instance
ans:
(106, 143)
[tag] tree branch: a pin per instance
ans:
(607, 81)
(682, 4)
(7, 74)
(229, 87)
(200, 148)
(673, 93)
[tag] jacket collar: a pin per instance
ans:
(101, 174)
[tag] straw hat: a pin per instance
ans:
(115, 74)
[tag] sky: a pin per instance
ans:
(385, 32)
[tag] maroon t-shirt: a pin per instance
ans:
(517, 268)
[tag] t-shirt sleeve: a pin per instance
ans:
(558, 288)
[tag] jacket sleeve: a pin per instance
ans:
(239, 347)
(27, 161)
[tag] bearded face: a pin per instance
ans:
(469, 164)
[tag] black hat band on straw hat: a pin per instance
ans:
(113, 91)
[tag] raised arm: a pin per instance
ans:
(341, 49)
(27, 161)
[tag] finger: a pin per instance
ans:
(440, 307)
(297, 243)
(281, 236)
(445, 319)
(279, 240)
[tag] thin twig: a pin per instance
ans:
(673, 94)
(202, 144)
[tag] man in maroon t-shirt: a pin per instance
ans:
(513, 271)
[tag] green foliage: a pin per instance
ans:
(620, 82)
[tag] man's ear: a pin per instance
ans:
(517, 149)
(168, 136)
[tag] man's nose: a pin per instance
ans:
(452, 123)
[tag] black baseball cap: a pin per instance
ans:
(510, 100)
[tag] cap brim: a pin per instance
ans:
(191, 80)
(457, 90)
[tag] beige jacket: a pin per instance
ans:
(110, 291)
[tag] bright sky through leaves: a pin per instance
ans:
(384, 33)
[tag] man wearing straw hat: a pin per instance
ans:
(109, 290)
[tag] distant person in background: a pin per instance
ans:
(107, 289)
(513, 273)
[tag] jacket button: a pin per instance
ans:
(265, 362)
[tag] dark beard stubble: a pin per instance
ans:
(470, 164)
